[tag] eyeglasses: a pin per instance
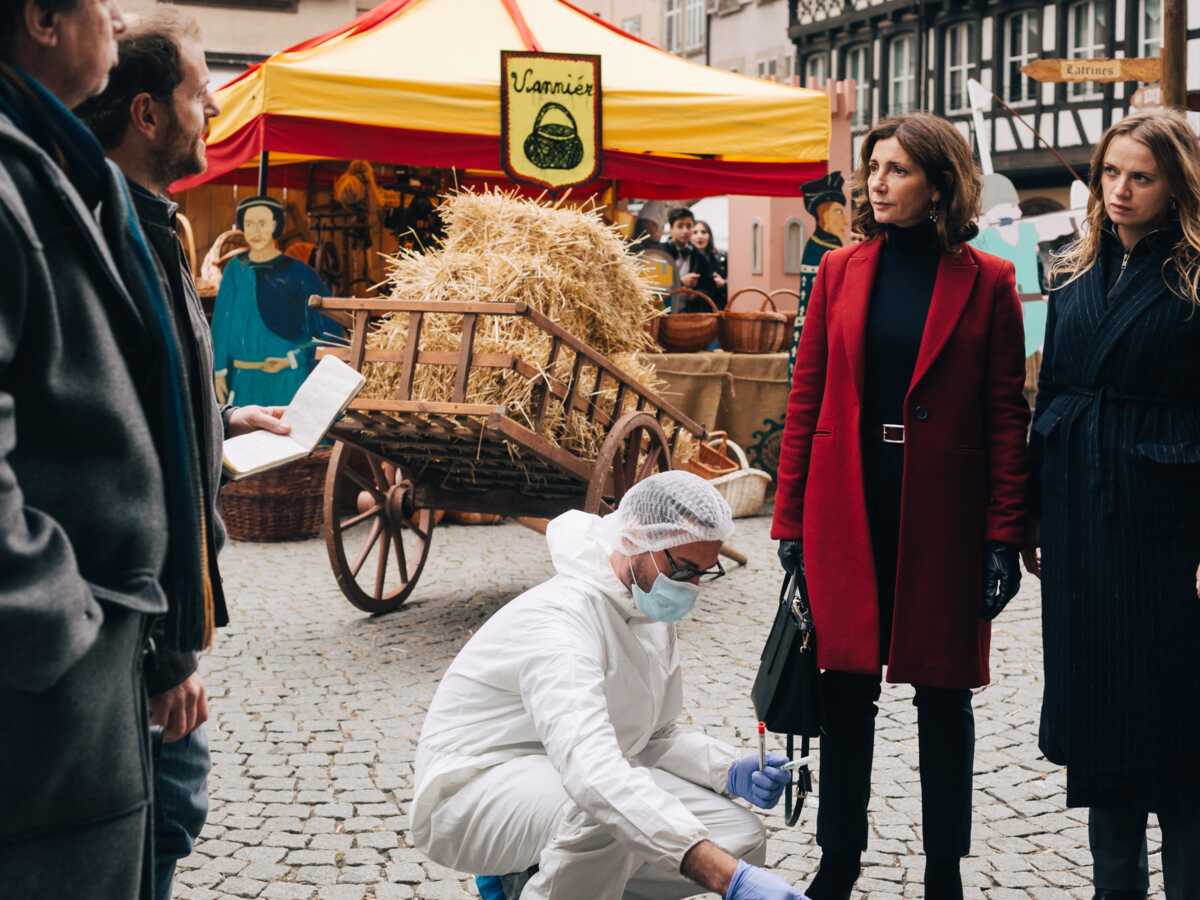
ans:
(686, 571)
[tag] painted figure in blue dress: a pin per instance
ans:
(264, 334)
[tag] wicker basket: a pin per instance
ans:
(689, 332)
(753, 332)
(745, 490)
(712, 458)
(281, 504)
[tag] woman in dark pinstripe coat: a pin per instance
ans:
(1116, 452)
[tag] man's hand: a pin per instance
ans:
(718, 280)
(690, 280)
(752, 883)
(181, 710)
(762, 787)
(253, 418)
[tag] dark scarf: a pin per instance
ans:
(54, 128)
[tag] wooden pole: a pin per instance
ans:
(1174, 54)
(264, 160)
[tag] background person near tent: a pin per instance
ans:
(552, 739)
(1116, 450)
(702, 240)
(826, 203)
(902, 482)
(264, 333)
(694, 269)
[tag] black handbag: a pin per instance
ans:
(786, 692)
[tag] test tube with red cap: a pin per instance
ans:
(762, 746)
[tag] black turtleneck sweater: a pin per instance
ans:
(900, 299)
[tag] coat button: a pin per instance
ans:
(921, 413)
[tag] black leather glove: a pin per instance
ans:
(791, 555)
(1001, 577)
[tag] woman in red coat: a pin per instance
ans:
(901, 482)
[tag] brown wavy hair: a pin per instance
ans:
(945, 157)
(1169, 138)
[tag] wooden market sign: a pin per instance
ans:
(1144, 68)
(550, 118)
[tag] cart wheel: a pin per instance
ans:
(635, 448)
(380, 523)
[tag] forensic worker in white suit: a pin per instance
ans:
(552, 742)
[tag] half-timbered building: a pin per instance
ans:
(909, 56)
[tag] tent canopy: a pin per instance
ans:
(416, 82)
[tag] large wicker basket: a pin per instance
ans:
(688, 332)
(753, 332)
(281, 504)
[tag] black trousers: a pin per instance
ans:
(946, 738)
(1118, 841)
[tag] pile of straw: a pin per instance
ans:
(567, 263)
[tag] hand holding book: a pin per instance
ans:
(318, 403)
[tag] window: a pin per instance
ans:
(816, 69)
(674, 36)
(1087, 29)
(959, 41)
(694, 31)
(1022, 44)
(768, 68)
(1152, 27)
(632, 25)
(756, 248)
(902, 75)
(857, 65)
(793, 246)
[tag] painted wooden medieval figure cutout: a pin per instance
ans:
(264, 334)
(826, 203)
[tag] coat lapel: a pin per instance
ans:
(854, 302)
(952, 289)
(1137, 290)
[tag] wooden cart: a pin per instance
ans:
(399, 460)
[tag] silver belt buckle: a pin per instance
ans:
(893, 434)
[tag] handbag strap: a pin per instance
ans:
(801, 781)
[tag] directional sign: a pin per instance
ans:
(1145, 68)
(1151, 96)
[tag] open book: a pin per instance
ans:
(322, 398)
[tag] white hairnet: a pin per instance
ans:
(664, 511)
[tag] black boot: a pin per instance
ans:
(1120, 895)
(943, 880)
(836, 876)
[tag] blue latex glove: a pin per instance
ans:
(752, 883)
(764, 788)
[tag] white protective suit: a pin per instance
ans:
(552, 740)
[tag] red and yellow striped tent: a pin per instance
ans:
(416, 82)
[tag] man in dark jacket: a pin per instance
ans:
(103, 511)
(83, 497)
(694, 269)
(151, 120)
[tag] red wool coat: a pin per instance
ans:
(964, 467)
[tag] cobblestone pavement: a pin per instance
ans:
(316, 709)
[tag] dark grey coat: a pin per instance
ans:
(1117, 450)
(83, 536)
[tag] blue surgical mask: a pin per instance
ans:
(667, 600)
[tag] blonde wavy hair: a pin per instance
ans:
(1176, 150)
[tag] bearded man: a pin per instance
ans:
(151, 121)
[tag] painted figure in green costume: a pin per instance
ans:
(826, 203)
(264, 334)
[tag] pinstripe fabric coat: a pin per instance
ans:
(1116, 450)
